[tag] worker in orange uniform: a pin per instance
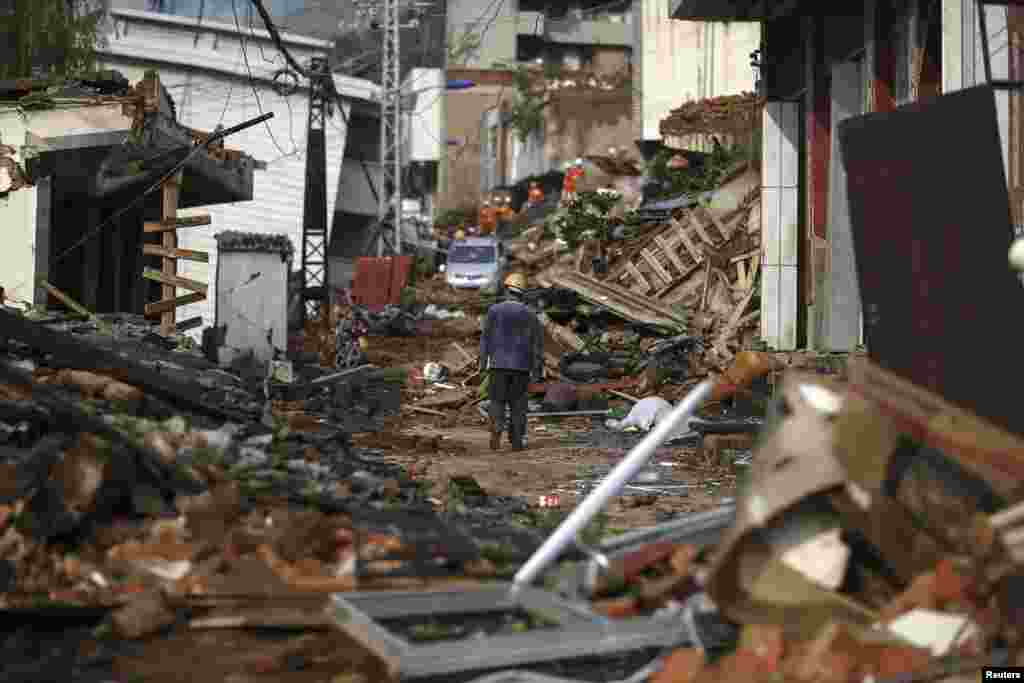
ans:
(535, 195)
(504, 210)
(572, 177)
(488, 218)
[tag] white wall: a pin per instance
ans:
(250, 310)
(38, 132)
(689, 60)
(185, 55)
(424, 124)
(18, 222)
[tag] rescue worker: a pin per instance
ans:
(512, 351)
(504, 203)
(488, 218)
(535, 195)
(569, 184)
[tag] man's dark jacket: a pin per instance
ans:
(512, 339)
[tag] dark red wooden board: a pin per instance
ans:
(932, 227)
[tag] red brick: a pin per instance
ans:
(682, 666)
(742, 666)
(950, 583)
(898, 661)
(919, 595)
(617, 608)
(765, 641)
(833, 648)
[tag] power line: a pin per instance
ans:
(297, 68)
(252, 81)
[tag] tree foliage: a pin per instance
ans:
(50, 38)
(585, 218)
(704, 178)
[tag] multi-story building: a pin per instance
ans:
(667, 62)
(484, 43)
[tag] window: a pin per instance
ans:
(464, 253)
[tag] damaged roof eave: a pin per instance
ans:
(64, 129)
(732, 10)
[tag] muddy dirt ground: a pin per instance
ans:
(560, 453)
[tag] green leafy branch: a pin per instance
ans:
(585, 218)
(714, 171)
(58, 35)
(462, 46)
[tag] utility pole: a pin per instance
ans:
(390, 196)
(315, 282)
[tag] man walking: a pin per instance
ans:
(512, 349)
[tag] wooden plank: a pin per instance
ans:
(169, 240)
(732, 326)
(563, 335)
(160, 307)
(189, 324)
(755, 264)
(745, 256)
(175, 222)
(638, 277)
(976, 444)
(186, 254)
(699, 228)
(681, 231)
(656, 266)
(75, 306)
(671, 254)
(724, 230)
(626, 304)
(174, 281)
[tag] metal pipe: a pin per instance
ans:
(623, 473)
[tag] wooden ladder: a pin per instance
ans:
(170, 254)
(675, 252)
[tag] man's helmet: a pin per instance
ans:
(515, 282)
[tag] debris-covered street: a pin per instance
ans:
(513, 402)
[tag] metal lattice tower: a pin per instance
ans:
(389, 210)
(314, 214)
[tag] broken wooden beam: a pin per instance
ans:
(427, 411)
(622, 302)
(185, 254)
(179, 222)
(73, 305)
(563, 335)
(174, 281)
(161, 307)
(76, 353)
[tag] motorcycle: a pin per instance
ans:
(351, 339)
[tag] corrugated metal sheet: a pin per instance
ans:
(379, 281)
(203, 101)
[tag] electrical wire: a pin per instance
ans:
(329, 80)
(252, 85)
